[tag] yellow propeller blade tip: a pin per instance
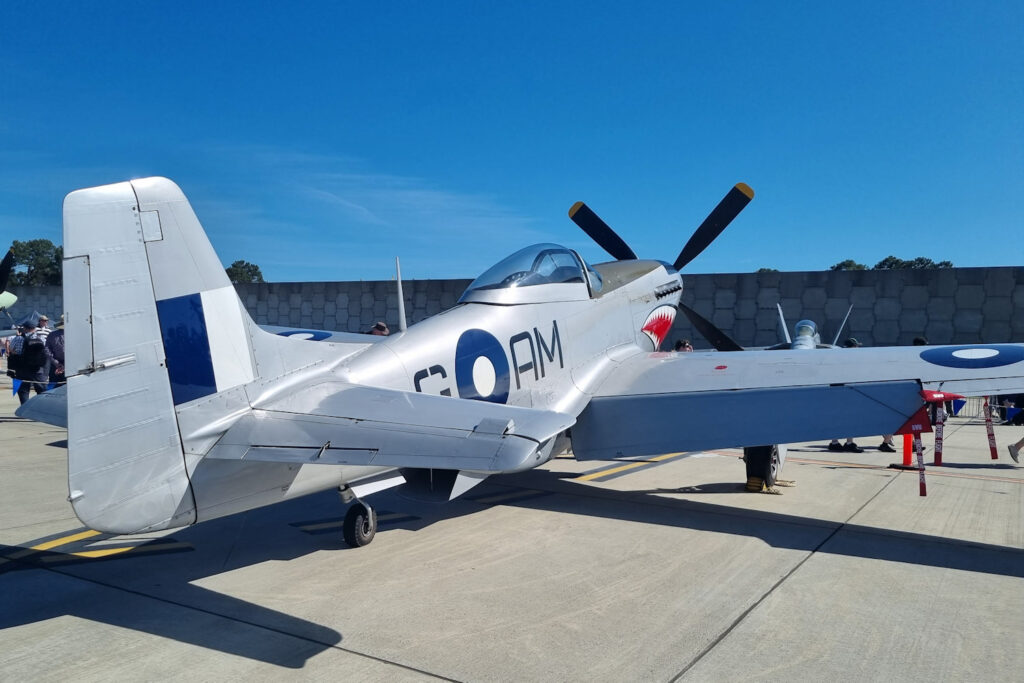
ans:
(745, 189)
(575, 207)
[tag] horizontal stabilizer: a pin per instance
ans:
(344, 424)
(50, 407)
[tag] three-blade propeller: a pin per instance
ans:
(719, 218)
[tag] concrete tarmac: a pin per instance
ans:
(654, 571)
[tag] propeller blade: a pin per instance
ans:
(5, 269)
(599, 231)
(718, 339)
(727, 209)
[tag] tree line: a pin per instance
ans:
(39, 262)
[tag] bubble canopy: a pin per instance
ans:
(539, 272)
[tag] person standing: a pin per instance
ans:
(1014, 449)
(43, 327)
(55, 345)
(849, 446)
(32, 361)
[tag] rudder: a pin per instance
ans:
(141, 280)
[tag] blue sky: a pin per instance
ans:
(320, 140)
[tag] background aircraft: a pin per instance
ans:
(181, 409)
(6, 298)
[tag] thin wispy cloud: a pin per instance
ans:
(282, 200)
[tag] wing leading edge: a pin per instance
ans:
(657, 403)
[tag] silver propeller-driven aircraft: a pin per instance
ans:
(181, 409)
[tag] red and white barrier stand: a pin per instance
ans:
(919, 424)
(920, 462)
(911, 431)
(991, 432)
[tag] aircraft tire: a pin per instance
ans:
(360, 525)
(762, 463)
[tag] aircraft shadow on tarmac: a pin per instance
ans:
(156, 593)
(775, 529)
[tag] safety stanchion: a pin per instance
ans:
(908, 450)
(920, 462)
(991, 432)
(940, 420)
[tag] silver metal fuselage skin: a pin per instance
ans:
(557, 353)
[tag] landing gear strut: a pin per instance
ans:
(360, 525)
(762, 467)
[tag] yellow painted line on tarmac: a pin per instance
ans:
(623, 468)
(63, 540)
(89, 533)
(107, 552)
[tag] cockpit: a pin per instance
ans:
(806, 335)
(540, 272)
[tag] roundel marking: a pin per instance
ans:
(478, 358)
(309, 335)
(971, 357)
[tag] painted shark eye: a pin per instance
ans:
(971, 357)
(658, 323)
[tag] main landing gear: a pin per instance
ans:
(763, 469)
(360, 525)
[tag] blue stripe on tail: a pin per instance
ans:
(187, 345)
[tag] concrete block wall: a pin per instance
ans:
(949, 306)
(890, 307)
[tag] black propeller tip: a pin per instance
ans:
(718, 220)
(600, 232)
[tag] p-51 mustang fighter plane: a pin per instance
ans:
(180, 409)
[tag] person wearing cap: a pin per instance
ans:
(684, 346)
(31, 360)
(43, 327)
(380, 329)
(55, 345)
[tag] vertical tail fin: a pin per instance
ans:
(152, 322)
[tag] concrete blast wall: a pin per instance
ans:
(948, 306)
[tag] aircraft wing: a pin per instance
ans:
(339, 423)
(664, 402)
